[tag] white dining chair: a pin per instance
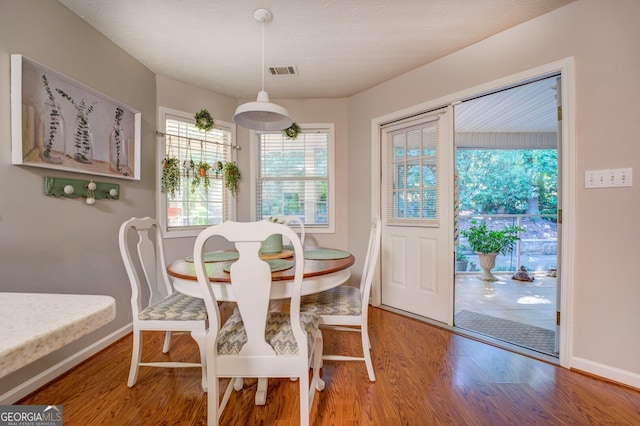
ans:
(165, 309)
(345, 308)
(295, 222)
(254, 341)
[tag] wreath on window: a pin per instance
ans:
(204, 121)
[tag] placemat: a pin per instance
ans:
(279, 255)
(217, 256)
(320, 254)
(275, 265)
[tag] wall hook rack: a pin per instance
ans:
(73, 188)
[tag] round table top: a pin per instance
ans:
(185, 269)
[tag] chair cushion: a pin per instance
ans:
(278, 333)
(175, 307)
(341, 300)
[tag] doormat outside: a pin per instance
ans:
(528, 336)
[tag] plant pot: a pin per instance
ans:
(273, 244)
(487, 263)
(461, 265)
(202, 172)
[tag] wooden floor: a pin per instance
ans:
(425, 376)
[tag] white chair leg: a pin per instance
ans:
(199, 337)
(136, 355)
(167, 342)
(261, 392)
(366, 349)
(213, 411)
(304, 399)
(238, 384)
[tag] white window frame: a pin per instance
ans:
(161, 198)
(308, 127)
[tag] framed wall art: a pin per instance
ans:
(58, 123)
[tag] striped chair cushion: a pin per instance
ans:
(341, 300)
(278, 333)
(175, 307)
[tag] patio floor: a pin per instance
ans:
(532, 303)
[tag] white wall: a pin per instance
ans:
(602, 37)
(51, 245)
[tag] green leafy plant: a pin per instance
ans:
(485, 241)
(204, 121)
(189, 167)
(170, 176)
(82, 138)
(201, 172)
(231, 176)
(460, 256)
(292, 131)
(275, 220)
(55, 123)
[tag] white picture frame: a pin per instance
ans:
(58, 123)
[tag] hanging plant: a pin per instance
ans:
(231, 176)
(204, 121)
(201, 172)
(188, 166)
(218, 169)
(170, 176)
(292, 131)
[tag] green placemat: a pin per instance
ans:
(275, 265)
(217, 256)
(320, 254)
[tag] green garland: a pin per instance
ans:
(204, 121)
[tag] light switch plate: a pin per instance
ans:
(608, 178)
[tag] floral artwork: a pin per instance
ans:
(59, 123)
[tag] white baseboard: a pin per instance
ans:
(610, 373)
(51, 373)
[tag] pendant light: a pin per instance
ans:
(262, 114)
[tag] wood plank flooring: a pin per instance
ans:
(425, 376)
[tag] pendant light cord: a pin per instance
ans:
(262, 26)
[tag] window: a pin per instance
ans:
(294, 177)
(413, 172)
(193, 207)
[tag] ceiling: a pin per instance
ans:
(337, 47)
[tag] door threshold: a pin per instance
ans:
(478, 336)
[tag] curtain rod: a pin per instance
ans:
(236, 147)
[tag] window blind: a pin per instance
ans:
(413, 169)
(293, 176)
(193, 206)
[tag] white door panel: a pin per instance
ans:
(417, 246)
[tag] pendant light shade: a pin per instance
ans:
(262, 114)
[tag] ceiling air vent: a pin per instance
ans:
(289, 70)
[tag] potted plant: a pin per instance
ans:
(292, 131)
(170, 176)
(461, 259)
(189, 166)
(489, 243)
(204, 121)
(231, 176)
(201, 172)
